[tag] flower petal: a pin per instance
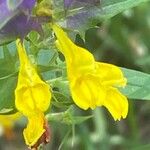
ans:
(87, 92)
(9, 120)
(34, 130)
(31, 93)
(74, 54)
(116, 103)
(28, 98)
(110, 74)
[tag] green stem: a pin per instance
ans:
(100, 128)
(133, 122)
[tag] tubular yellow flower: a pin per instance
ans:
(32, 97)
(92, 83)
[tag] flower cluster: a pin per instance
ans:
(91, 83)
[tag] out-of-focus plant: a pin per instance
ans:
(7, 124)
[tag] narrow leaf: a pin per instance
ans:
(138, 85)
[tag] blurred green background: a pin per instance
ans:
(123, 40)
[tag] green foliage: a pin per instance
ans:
(8, 81)
(7, 99)
(67, 117)
(87, 17)
(138, 85)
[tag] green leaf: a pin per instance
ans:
(138, 85)
(67, 117)
(8, 80)
(60, 100)
(7, 64)
(7, 96)
(62, 84)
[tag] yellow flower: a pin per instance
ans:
(92, 83)
(32, 97)
(7, 122)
